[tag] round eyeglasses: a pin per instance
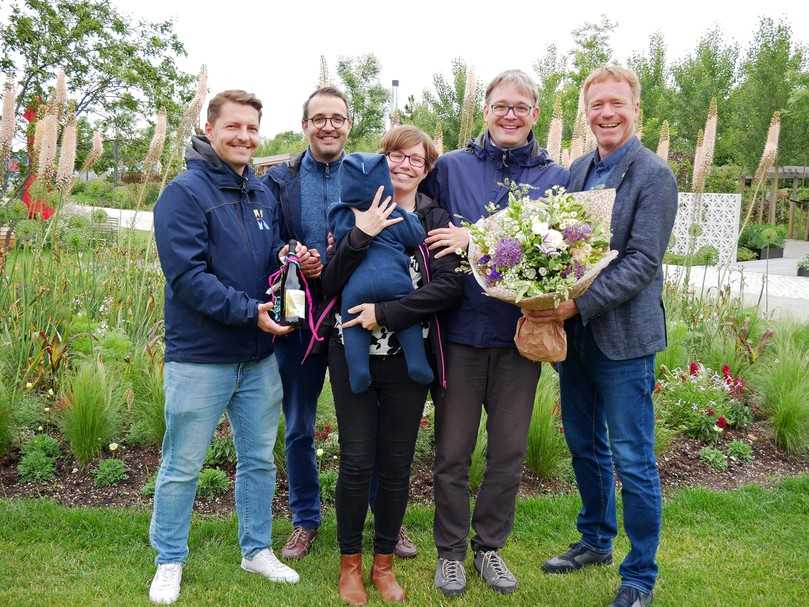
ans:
(337, 121)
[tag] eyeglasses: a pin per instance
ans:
(417, 162)
(337, 121)
(502, 109)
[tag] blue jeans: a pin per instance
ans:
(608, 418)
(196, 397)
(302, 386)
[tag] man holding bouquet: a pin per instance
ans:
(614, 330)
(484, 368)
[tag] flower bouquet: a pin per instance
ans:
(538, 253)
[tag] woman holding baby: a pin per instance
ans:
(378, 427)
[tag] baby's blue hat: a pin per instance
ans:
(361, 174)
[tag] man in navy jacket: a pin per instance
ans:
(217, 239)
(614, 331)
(484, 367)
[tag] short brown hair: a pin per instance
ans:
(613, 72)
(326, 91)
(235, 96)
(516, 77)
(406, 136)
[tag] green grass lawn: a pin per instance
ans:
(745, 547)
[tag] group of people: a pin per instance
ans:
(220, 234)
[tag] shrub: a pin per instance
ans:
(148, 405)
(122, 198)
(477, 465)
(89, 420)
(212, 482)
(36, 467)
(328, 485)
(676, 353)
(115, 346)
(221, 451)
(783, 383)
(78, 222)
(745, 254)
(546, 444)
(664, 437)
(44, 443)
(149, 488)
(759, 235)
(5, 418)
(714, 458)
(110, 472)
(723, 179)
(28, 411)
(99, 189)
(740, 451)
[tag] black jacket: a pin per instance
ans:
(442, 290)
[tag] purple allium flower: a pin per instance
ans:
(577, 232)
(507, 253)
(580, 270)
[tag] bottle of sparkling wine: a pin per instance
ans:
(290, 300)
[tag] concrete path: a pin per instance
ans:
(777, 289)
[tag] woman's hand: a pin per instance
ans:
(366, 317)
(375, 219)
(450, 240)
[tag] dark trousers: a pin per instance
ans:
(503, 382)
(376, 428)
(608, 416)
(302, 386)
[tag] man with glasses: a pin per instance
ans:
(484, 368)
(305, 187)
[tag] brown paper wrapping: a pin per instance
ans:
(546, 340)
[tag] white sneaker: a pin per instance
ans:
(267, 564)
(165, 588)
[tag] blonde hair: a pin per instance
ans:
(613, 72)
(407, 136)
(235, 96)
(519, 79)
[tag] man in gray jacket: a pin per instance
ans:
(614, 331)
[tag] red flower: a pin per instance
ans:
(726, 371)
(424, 423)
(658, 387)
(693, 368)
(721, 422)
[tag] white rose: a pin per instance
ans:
(539, 227)
(554, 239)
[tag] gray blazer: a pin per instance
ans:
(624, 305)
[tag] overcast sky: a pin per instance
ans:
(274, 48)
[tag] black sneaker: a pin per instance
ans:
(631, 597)
(575, 558)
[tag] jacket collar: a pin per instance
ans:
(580, 169)
(200, 155)
(528, 155)
(308, 161)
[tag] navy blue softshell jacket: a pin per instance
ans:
(216, 234)
(463, 182)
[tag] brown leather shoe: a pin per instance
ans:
(404, 548)
(299, 543)
(352, 589)
(385, 580)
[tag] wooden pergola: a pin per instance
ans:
(262, 163)
(798, 176)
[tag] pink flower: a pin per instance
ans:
(693, 368)
(721, 422)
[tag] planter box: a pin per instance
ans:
(772, 252)
(7, 239)
(803, 272)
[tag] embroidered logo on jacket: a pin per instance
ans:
(259, 214)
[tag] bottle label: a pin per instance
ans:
(294, 303)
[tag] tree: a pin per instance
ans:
(709, 72)
(592, 48)
(656, 93)
(551, 73)
(771, 71)
(367, 100)
(113, 65)
(288, 142)
(444, 104)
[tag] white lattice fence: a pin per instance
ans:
(718, 224)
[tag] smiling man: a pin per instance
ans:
(484, 367)
(217, 238)
(614, 331)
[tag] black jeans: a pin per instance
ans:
(376, 428)
(503, 382)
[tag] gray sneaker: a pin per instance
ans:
(492, 568)
(450, 577)
(630, 597)
(577, 556)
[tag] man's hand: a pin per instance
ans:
(267, 324)
(366, 318)
(450, 240)
(567, 309)
(312, 265)
(375, 219)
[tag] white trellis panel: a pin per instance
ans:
(719, 224)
